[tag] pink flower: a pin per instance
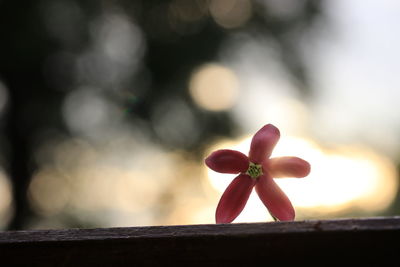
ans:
(257, 171)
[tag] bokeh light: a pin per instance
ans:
(174, 122)
(87, 113)
(116, 49)
(214, 87)
(49, 184)
(6, 202)
(231, 14)
(125, 182)
(187, 18)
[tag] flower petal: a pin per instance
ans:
(277, 203)
(234, 198)
(287, 167)
(227, 161)
(263, 143)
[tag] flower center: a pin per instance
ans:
(254, 170)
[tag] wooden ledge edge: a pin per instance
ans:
(205, 230)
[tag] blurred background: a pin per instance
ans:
(108, 108)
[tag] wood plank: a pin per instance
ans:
(372, 241)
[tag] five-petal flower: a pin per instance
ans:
(257, 171)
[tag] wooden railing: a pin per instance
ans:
(346, 242)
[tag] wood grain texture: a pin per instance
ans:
(328, 242)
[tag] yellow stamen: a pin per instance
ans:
(254, 170)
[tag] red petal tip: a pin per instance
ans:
(263, 143)
(227, 161)
(234, 199)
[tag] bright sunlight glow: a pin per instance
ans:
(341, 179)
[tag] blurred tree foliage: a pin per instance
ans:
(43, 43)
